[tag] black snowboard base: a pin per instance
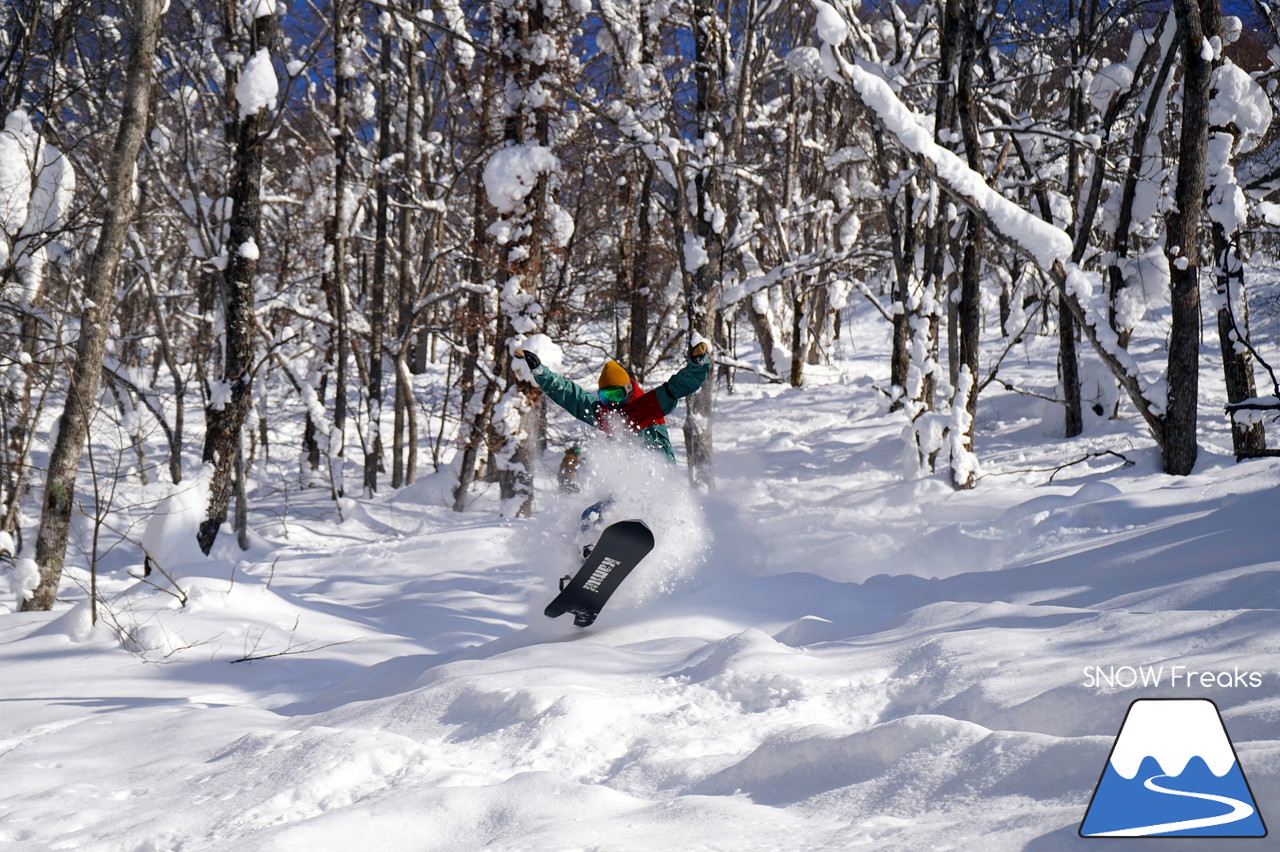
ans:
(621, 547)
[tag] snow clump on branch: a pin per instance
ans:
(1239, 100)
(832, 27)
(511, 173)
(257, 86)
(37, 184)
(17, 143)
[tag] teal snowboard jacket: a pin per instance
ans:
(642, 412)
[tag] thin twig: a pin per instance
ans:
(1128, 462)
(181, 594)
(1017, 390)
(292, 649)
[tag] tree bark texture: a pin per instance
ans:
(1182, 237)
(95, 318)
(523, 258)
(225, 421)
(638, 331)
(338, 245)
(899, 222)
(1233, 332)
(1068, 366)
(704, 282)
(381, 263)
(1116, 274)
(969, 307)
(473, 412)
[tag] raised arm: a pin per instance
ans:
(565, 393)
(687, 381)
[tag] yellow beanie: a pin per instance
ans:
(614, 376)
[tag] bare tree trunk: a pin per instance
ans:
(20, 412)
(1247, 439)
(1116, 280)
(225, 418)
(471, 427)
(521, 263)
(95, 318)
(338, 245)
(624, 281)
(969, 308)
(476, 423)
(381, 251)
(944, 123)
(473, 414)
(241, 522)
(969, 322)
(902, 242)
(1233, 334)
(179, 384)
(762, 322)
(1182, 241)
(641, 284)
(704, 282)
(405, 409)
(1068, 363)
(819, 320)
(937, 280)
(404, 452)
(798, 308)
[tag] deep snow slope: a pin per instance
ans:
(822, 655)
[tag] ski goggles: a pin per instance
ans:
(614, 395)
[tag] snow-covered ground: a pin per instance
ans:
(822, 655)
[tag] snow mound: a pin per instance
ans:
(806, 762)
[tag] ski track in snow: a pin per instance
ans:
(1239, 810)
(824, 656)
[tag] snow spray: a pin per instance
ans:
(632, 481)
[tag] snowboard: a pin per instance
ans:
(621, 547)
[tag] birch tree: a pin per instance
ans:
(95, 318)
(346, 41)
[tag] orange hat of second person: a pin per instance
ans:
(614, 376)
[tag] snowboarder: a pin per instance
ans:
(620, 402)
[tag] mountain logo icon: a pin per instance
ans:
(1173, 772)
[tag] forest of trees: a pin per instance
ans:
(218, 218)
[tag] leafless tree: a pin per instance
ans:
(95, 318)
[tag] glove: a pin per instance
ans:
(698, 354)
(530, 359)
